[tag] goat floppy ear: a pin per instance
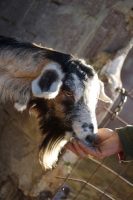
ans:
(102, 95)
(48, 84)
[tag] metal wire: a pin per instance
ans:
(86, 183)
(117, 176)
(113, 172)
(65, 179)
(120, 119)
(89, 179)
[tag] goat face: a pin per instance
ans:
(66, 105)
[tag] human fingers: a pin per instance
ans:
(70, 147)
(80, 152)
(89, 150)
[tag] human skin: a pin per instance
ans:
(106, 143)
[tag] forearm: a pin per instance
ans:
(126, 138)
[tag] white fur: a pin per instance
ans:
(85, 117)
(50, 156)
(20, 107)
(55, 87)
(91, 92)
(77, 87)
(91, 95)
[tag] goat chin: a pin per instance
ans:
(49, 156)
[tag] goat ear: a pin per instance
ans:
(102, 95)
(48, 84)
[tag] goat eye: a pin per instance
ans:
(69, 97)
(69, 94)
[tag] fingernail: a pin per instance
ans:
(71, 139)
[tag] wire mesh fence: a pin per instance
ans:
(104, 179)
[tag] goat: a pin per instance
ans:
(60, 89)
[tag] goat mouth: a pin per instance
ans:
(89, 140)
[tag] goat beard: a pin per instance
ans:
(53, 141)
(50, 149)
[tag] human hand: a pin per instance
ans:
(106, 143)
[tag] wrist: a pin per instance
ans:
(120, 152)
(118, 143)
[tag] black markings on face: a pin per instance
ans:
(47, 79)
(86, 126)
(91, 127)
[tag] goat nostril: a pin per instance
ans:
(91, 127)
